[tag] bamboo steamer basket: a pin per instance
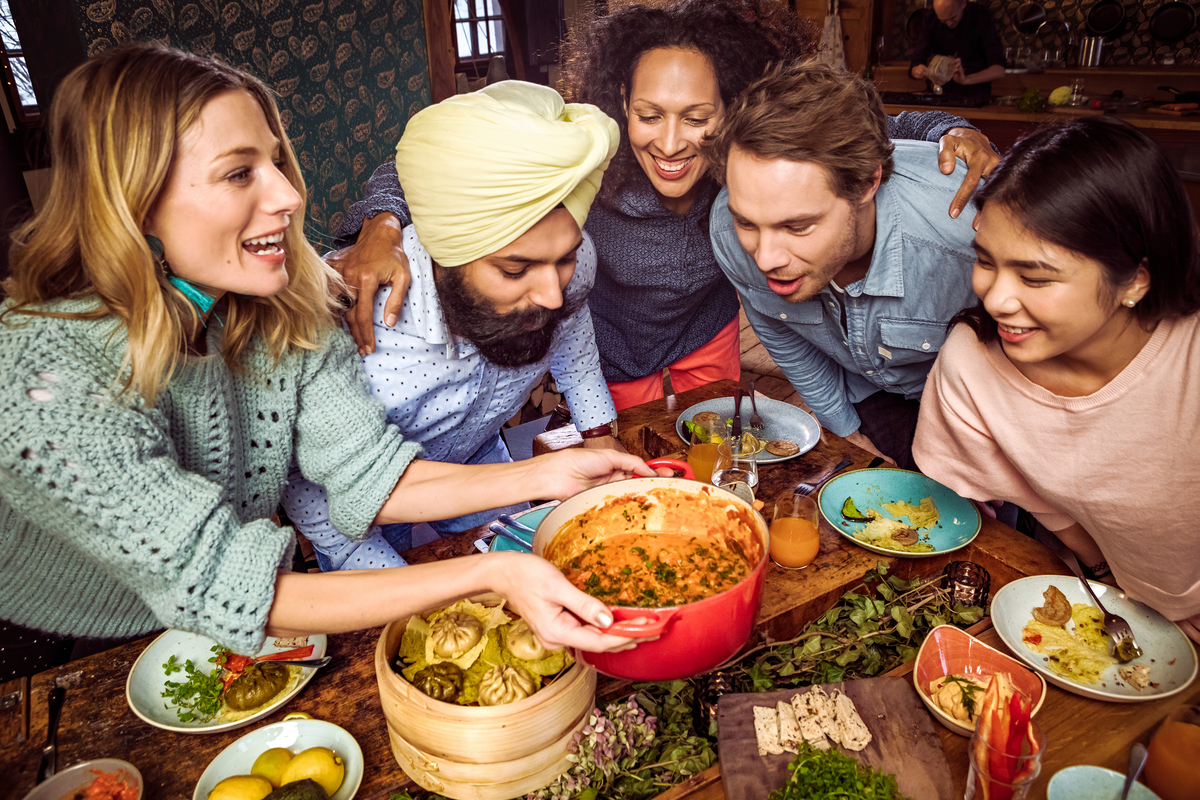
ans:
(481, 753)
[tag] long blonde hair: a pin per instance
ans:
(115, 126)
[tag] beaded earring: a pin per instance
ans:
(195, 295)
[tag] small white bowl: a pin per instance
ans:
(79, 777)
(1093, 783)
(294, 735)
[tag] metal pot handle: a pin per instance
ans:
(655, 622)
(673, 463)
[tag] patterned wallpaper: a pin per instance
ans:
(1135, 47)
(349, 74)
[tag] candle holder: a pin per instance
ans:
(967, 582)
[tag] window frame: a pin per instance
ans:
(478, 61)
(21, 114)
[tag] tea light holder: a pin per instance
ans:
(967, 582)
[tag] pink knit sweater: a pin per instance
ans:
(1124, 462)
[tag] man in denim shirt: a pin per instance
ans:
(838, 242)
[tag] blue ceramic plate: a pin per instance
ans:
(1166, 649)
(780, 420)
(532, 518)
(1093, 783)
(957, 526)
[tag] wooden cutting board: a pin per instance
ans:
(904, 740)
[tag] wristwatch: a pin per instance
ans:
(607, 429)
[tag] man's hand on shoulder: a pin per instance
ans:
(976, 150)
(376, 258)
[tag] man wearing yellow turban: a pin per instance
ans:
(499, 184)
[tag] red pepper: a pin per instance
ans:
(287, 655)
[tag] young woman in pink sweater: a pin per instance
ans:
(1073, 389)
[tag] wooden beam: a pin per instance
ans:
(439, 43)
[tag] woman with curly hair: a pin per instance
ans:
(167, 349)
(666, 74)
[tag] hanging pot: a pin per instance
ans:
(1172, 21)
(1106, 18)
(1029, 18)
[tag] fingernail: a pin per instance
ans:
(604, 619)
(390, 320)
(954, 214)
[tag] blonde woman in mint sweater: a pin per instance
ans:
(168, 349)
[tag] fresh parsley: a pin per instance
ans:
(831, 773)
(198, 699)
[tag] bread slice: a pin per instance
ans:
(789, 728)
(853, 733)
(766, 730)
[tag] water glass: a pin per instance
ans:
(1173, 760)
(795, 541)
(1077, 92)
(736, 469)
(702, 450)
(1027, 766)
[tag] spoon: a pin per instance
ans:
(1137, 760)
(505, 519)
(500, 530)
(315, 663)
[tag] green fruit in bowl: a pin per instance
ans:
(1060, 96)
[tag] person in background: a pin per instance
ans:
(963, 32)
(666, 74)
(1073, 388)
(500, 277)
(838, 242)
(168, 349)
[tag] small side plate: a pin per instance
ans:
(144, 687)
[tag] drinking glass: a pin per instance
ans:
(1027, 766)
(702, 452)
(1173, 763)
(795, 541)
(736, 469)
(1077, 92)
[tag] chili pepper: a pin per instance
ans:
(287, 655)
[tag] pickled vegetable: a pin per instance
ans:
(441, 681)
(851, 512)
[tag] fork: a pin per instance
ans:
(1118, 629)
(808, 488)
(756, 422)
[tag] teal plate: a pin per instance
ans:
(958, 521)
(532, 518)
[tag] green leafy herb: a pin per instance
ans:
(969, 689)
(199, 697)
(876, 626)
(831, 773)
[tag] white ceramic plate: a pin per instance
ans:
(144, 687)
(781, 421)
(79, 777)
(1165, 648)
(294, 735)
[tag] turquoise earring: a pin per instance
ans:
(198, 297)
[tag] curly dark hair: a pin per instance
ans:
(741, 38)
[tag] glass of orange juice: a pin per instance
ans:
(705, 435)
(1173, 763)
(795, 541)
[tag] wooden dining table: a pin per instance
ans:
(97, 722)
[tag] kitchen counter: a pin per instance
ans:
(1145, 119)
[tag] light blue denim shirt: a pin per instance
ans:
(920, 277)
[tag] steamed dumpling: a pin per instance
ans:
(522, 642)
(454, 633)
(503, 684)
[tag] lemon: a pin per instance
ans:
(241, 787)
(1060, 96)
(318, 763)
(270, 765)
(297, 715)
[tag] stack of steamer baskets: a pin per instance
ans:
(481, 752)
(505, 751)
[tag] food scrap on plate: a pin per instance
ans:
(1080, 654)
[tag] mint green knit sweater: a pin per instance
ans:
(116, 519)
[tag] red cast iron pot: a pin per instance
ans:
(692, 638)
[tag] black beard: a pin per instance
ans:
(503, 339)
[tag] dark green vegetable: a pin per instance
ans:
(442, 681)
(831, 773)
(196, 699)
(851, 512)
(257, 684)
(306, 789)
(1031, 101)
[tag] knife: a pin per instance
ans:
(50, 749)
(736, 431)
